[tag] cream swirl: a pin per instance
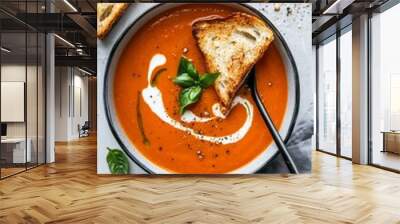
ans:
(153, 98)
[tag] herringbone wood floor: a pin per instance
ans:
(69, 191)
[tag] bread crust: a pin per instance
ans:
(107, 15)
(251, 29)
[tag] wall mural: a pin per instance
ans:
(204, 88)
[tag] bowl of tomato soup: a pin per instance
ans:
(142, 107)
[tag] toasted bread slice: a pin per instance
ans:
(107, 15)
(231, 46)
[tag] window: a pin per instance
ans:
(22, 76)
(346, 75)
(327, 96)
(385, 89)
(335, 138)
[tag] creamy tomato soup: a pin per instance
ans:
(181, 147)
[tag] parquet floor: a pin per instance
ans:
(69, 191)
(10, 171)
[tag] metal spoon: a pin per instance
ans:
(252, 83)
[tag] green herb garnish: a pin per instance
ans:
(189, 96)
(192, 83)
(186, 66)
(184, 80)
(117, 161)
(208, 79)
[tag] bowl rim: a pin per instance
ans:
(150, 10)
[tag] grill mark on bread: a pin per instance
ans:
(107, 11)
(246, 35)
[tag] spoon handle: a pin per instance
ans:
(271, 127)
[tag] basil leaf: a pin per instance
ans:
(189, 96)
(117, 161)
(184, 100)
(195, 93)
(208, 79)
(184, 80)
(182, 68)
(191, 70)
(186, 66)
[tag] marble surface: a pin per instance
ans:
(293, 20)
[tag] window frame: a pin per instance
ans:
(29, 29)
(336, 36)
(381, 9)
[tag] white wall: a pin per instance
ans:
(9, 73)
(33, 126)
(71, 102)
(61, 103)
(16, 72)
(80, 110)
